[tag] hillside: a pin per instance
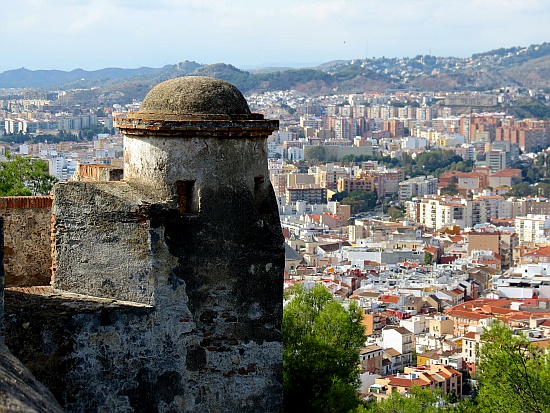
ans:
(24, 78)
(518, 66)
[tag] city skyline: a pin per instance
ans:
(94, 34)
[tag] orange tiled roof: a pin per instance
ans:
(389, 299)
(471, 335)
(506, 173)
(392, 352)
(544, 251)
(397, 381)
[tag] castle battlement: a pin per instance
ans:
(166, 292)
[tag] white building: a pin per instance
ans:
(438, 212)
(419, 186)
(400, 339)
(532, 227)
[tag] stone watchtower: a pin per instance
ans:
(170, 280)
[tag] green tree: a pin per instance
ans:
(521, 190)
(450, 189)
(515, 373)
(317, 153)
(417, 401)
(23, 176)
(543, 189)
(428, 259)
(395, 212)
(322, 340)
(338, 196)
(360, 201)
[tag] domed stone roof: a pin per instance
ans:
(194, 95)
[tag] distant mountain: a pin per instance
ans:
(517, 66)
(257, 70)
(24, 78)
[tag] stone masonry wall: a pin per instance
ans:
(27, 244)
(167, 287)
(201, 334)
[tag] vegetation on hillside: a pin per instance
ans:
(322, 340)
(515, 373)
(424, 163)
(360, 201)
(525, 67)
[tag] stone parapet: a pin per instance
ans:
(27, 250)
(167, 289)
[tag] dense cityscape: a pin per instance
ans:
(429, 212)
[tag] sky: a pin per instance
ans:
(95, 34)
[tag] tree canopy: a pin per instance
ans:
(322, 340)
(360, 201)
(418, 401)
(434, 163)
(515, 373)
(24, 176)
(316, 153)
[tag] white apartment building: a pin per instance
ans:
(437, 212)
(532, 227)
(400, 339)
(419, 186)
(15, 126)
(413, 142)
(61, 167)
(496, 206)
(295, 154)
(327, 176)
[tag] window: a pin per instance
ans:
(185, 193)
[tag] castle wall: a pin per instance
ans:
(209, 339)
(27, 245)
(101, 355)
(19, 389)
(103, 243)
(167, 287)
(97, 172)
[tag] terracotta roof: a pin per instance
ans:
(396, 381)
(541, 343)
(389, 299)
(506, 173)
(467, 314)
(435, 376)
(544, 251)
(392, 352)
(401, 330)
(431, 249)
(370, 349)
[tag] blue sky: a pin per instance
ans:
(94, 34)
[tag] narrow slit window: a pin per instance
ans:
(185, 192)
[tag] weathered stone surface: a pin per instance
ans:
(27, 247)
(20, 391)
(104, 243)
(195, 95)
(185, 260)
